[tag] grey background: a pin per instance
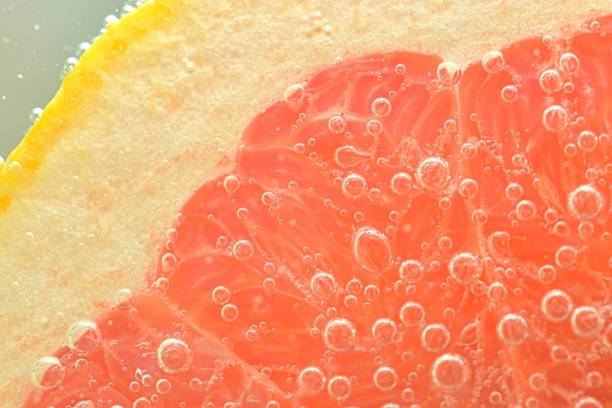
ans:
(36, 38)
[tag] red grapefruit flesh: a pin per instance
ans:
(395, 231)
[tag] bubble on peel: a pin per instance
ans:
(512, 329)
(339, 387)
(123, 295)
(83, 336)
(48, 372)
(450, 372)
(231, 183)
(588, 402)
(569, 63)
(550, 81)
(35, 115)
(411, 270)
(435, 337)
(509, 93)
(401, 183)
(385, 378)
(371, 250)
(229, 313)
(220, 295)
(565, 256)
(311, 381)
(493, 62)
(556, 305)
(585, 202)
(525, 210)
(336, 124)
(323, 285)
(554, 118)
(243, 250)
(433, 173)
(174, 356)
(354, 185)
(294, 93)
(384, 331)
(464, 267)
(449, 73)
(586, 321)
(339, 335)
(412, 314)
(381, 107)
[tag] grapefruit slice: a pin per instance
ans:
(387, 234)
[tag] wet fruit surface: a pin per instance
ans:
(394, 232)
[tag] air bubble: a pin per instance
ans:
(514, 191)
(468, 188)
(556, 305)
(565, 256)
(569, 63)
(174, 356)
(412, 314)
(400, 69)
(323, 285)
(374, 127)
(509, 94)
(84, 336)
(525, 210)
(385, 378)
(294, 93)
(537, 382)
(163, 386)
(554, 118)
(339, 387)
(220, 295)
(512, 329)
(449, 73)
(339, 335)
(588, 402)
(464, 267)
(229, 313)
(384, 331)
(450, 372)
(586, 321)
(550, 81)
(84, 404)
(243, 250)
(48, 372)
(311, 381)
(231, 183)
(354, 185)
(401, 183)
(493, 62)
(435, 337)
(433, 173)
(547, 274)
(585, 202)
(381, 107)
(371, 249)
(587, 141)
(336, 124)
(411, 270)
